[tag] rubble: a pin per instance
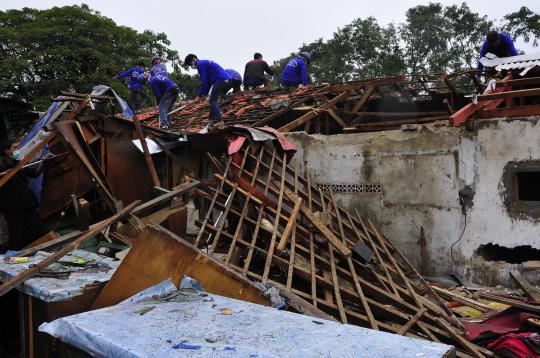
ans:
(230, 209)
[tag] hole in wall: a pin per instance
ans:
(527, 186)
(513, 255)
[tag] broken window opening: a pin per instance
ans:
(513, 255)
(526, 186)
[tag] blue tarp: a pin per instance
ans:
(198, 324)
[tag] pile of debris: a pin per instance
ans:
(260, 230)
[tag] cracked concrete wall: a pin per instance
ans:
(422, 170)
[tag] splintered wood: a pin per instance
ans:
(265, 220)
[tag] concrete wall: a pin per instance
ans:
(421, 170)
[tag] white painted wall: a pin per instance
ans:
(421, 172)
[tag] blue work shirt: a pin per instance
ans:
(160, 85)
(234, 74)
(159, 69)
(505, 49)
(210, 73)
(295, 72)
(133, 76)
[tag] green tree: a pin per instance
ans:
(524, 23)
(69, 48)
(466, 31)
(424, 36)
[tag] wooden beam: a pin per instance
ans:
(314, 113)
(290, 224)
(510, 94)
(518, 111)
(165, 197)
(32, 271)
(365, 96)
(412, 321)
(531, 291)
(147, 155)
(338, 244)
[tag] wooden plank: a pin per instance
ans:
(358, 286)
(314, 113)
(280, 112)
(466, 344)
(147, 156)
(11, 172)
(519, 111)
(158, 255)
(177, 191)
(531, 291)
(254, 237)
(365, 96)
(290, 224)
(25, 275)
(338, 244)
(510, 94)
(404, 329)
(463, 300)
(510, 302)
(270, 255)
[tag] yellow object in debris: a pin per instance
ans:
(498, 306)
(226, 311)
(82, 261)
(465, 311)
(18, 260)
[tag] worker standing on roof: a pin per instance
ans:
(295, 72)
(212, 76)
(254, 72)
(135, 86)
(18, 202)
(498, 44)
(166, 92)
(158, 68)
(234, 83)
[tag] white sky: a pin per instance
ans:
(229, 32)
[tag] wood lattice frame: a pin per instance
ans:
(379, 295)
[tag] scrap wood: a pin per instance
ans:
(510, 302)
(319, 224)
(531, 291)
(345, 287)
(462, 300)
(67, 248)
(177, 191)
(147, 156)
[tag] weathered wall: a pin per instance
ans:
(420, 171)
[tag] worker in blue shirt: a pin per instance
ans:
(166, 92)
(234, 83)
(498, 44)
(135, 86)
(158, 67)
(212, 76)
(295, 72)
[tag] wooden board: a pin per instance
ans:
(158, 255)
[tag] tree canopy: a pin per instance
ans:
(69, 48)
(74, 48)
(433, 39)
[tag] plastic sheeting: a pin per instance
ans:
(197, 324)
(51, 289)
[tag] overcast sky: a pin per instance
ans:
(229, 32)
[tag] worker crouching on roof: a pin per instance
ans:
(212, 76)
(135, 86)
(234, 83)
(166, 92)
(498, 44)
(295, 72)
(18, 202)
(254, 72)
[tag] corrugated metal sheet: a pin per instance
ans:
(512, 62)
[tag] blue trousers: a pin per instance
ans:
(165, 105)
(134, 93)
(215, 111)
